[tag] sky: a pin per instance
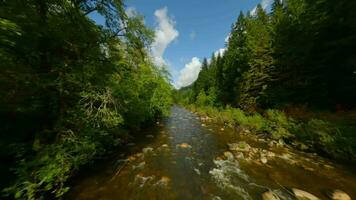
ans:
(186, 31)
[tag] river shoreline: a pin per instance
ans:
(191, 159)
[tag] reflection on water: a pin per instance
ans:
(185, 159)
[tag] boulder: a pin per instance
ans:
(229, 155)
(241, 146)
(269, 195)
(303, 195)
(339, 195)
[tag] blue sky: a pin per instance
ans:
(188, 30)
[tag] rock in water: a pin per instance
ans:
(303, 195)
(339, 195)
(241, 146)
(147, 149)
(164, 181)
(184, 146)
(270, 196)
(149, 136)
(264, 160)
(229, 155)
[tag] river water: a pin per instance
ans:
(186, 158)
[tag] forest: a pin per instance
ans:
(74, 91)
(289, 73)
(71, 89)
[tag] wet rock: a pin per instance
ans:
(147, 150)
(281, 142)
(141, 165)
(270, 196)
(164, 145)
(303, 195)
(270, 154)
(149, 136)
(239, 155)
(241, 146)
(131, 158)
(222, 129)
(229, 155)
(246, 131)
(197, 171)
(203, 125)
(164, 181)
(184, 146)
(339, 195)
(264, 160)
(272, 143)
(142, 180)
(288, 157)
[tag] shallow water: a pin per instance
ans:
(185, 158)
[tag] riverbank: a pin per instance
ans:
(193, 157)
(332, 139)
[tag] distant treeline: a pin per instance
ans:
(302, 52)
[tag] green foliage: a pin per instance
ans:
(70, 87)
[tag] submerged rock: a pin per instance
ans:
(303, 195)
(270, 196)
(141, 165)
(147, 150)
(164, 181)
(149, 136)
(184, 145)
(339, 195)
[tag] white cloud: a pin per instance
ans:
(189, 73)
(131, 12)
(264, 3)
(227, 38)
(220, 51)
(192, 35)
(165, 33)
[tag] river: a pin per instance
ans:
(187, 158)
